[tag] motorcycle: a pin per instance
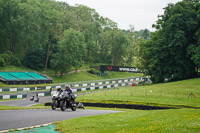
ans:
(32, 98)
(37, 99)
(56, 100)
(68, 101)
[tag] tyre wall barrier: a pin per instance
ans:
(75, 85)
(127, 106)
(12, 96)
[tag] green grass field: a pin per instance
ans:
(136, 121)
(85, 76)
(185, 120)
(166, 94)
(174, 94)
(38, 106)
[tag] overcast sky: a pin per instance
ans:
(140, 13)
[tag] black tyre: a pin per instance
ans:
(73, 108)
(62, 105)
(53, 105)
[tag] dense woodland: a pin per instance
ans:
(173, 52)
(42, 34)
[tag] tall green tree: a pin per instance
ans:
(10, 25)
(26, 24)
(90, 26)
(35, 57)
(145, 34)
(115, 44)
(168, 53)
(71, 51)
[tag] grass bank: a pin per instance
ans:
(135, 121)
(72, 77)
(165, 94)
(85, 76)
(185, 120)
(39, 106)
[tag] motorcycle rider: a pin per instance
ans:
(58, 91)
(32, 98)
(56, 98)
(69, 91)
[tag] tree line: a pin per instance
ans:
(173, 52)
(43, 34)
(48, 34)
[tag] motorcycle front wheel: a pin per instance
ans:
(62, 105)
(53, 105)
(73, 107)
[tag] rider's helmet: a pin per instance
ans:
(59, 89)
(66, 87)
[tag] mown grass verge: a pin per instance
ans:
(85, 76)
(40, 106)
(167, 94)
(135, 121)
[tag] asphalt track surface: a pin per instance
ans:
(26, 101)
(13, 119)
